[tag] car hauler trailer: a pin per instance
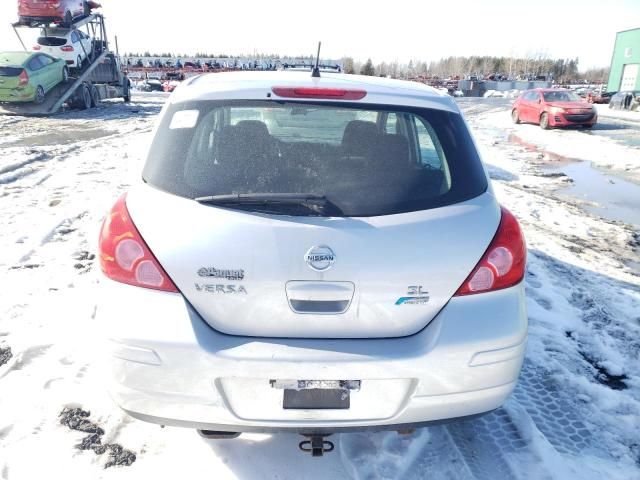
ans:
(100, 78)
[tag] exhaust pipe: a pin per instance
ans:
(215, 435)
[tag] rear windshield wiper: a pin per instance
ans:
(301, 199)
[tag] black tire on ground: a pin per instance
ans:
(82, 98)
(95, 96)
(40, 95)
(544, 121)
(515, 116)
(79, 63)
(65, 74)
(68, 19)
(590, 125)
(86, 97)
(126, 93)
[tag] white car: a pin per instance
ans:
(73, 46)
(311, 255)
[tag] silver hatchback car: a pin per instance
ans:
(311, 255)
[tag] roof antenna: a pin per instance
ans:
(316, 70)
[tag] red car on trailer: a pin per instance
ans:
(553, 107)
(57, 11)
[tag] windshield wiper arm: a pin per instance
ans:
(263, 198)
(301, 199)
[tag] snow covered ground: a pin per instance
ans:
(575, 413)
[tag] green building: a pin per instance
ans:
(625, 63)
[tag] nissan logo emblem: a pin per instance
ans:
(320, 258)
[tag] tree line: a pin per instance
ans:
(562, 70)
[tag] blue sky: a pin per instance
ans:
(398, 30)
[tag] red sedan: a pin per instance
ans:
(553, 108)
(57, 11)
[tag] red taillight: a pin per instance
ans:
(125, 257)
(503, 263)
(23, 79)
(37, 47)
(325, 93)
(67, 48)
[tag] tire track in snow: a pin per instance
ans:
(538, 433)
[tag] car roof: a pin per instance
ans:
(257, 86)
(14, 58)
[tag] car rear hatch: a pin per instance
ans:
(248, 274)
(10, 77)
(398, 218)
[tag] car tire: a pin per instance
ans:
(40, 95)
(86, 98)
(544, 121)
(79, 63)
(95, 96)
(65, 74)
(515, 116)
(126, 91)
(68, 19)
(588, 126)
(82, 98)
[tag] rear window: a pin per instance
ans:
(366, 160)
(10, 71)
(52, 41)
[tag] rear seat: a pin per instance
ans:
(391, 153)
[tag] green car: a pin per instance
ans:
(28, 76)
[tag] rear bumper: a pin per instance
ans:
(13, 95)
(168, 366)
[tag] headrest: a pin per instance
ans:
(252, 129)
(359, 137)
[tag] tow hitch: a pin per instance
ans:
(316, 445)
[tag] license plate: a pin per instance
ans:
(316, 399)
